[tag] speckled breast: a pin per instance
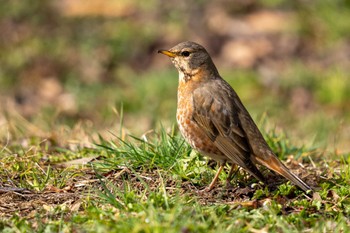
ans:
(192, 133)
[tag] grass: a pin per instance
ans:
(153, 183)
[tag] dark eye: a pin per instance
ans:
(185, 53)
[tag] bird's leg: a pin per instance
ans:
(215, 179)
(233, 169)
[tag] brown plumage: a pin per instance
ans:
(213, 120)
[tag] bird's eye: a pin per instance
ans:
(185, 53)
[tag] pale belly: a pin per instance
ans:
(196, 137)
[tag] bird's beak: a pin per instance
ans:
(167, 52)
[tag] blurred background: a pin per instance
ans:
(70, 65)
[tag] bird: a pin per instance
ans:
(213, 120)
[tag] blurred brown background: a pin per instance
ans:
(74, 62)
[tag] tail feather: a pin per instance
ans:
(276, 165)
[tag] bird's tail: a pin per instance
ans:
(276, 165)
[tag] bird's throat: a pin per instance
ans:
(184, 77)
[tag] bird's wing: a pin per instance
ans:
(257, 144)
(218, 119)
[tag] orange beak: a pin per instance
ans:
(167, 52)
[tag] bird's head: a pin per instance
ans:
(190, 59)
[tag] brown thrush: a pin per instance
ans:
(213, 120)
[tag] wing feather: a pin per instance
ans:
(220, 122)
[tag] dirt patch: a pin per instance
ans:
(29, 204)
